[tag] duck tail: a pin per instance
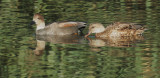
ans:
(141, 30)
(81, 26)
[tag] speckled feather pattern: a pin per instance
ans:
(121, 29)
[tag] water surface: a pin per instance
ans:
(23, 55)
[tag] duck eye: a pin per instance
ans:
(38, 18)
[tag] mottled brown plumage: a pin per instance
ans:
(115, 30)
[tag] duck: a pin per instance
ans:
(117, 29)
(56, 28)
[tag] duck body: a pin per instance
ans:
(56, 28)
(117, 29)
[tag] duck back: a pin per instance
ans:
(55, 29)
(122, 29)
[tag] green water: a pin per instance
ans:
(21, 55)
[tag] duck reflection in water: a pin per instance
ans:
(40, 47)
(115, 41)
(56, 39)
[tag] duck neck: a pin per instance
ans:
(99, 31)
(40, 26)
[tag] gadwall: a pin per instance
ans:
(56, 28)
(115, 30)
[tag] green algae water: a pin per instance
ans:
(25, 55)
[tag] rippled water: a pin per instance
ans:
(24, 55)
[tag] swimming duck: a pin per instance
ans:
(115, 30)
(56, 28)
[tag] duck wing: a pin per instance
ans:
(122, 26)
(136, 26)
(80, 25)
(71, 24)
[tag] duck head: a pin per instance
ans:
(95, 28)
(39, 21)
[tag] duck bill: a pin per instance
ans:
(88, 34)
(32, 22)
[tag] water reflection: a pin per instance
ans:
(56, 39)
(40, 47)
(115, 41)
(147, 70)
(67, 60)
(64, 39)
